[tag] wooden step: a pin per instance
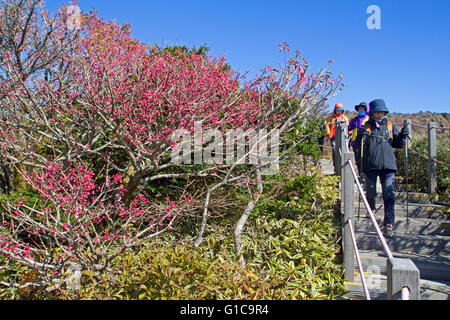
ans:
(377, 286)
(406, 243)
(434, 268)
(404, 225)
(412, 211)
(400, 197)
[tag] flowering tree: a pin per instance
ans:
(76, 218)
(89, 115)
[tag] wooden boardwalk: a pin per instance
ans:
(421, 233)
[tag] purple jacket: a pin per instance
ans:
(357, 123)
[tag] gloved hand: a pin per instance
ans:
(363, 132)
(405, 131)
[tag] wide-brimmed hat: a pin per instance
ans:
(378, 105)
(362, 104)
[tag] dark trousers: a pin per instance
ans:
(387, 184)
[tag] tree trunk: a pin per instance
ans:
(243, 219)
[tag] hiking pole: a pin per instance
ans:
(359, 204)
(359, 173)
(407, 177)
(406, 123)
(361, 162)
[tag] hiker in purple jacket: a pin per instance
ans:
(356, 123)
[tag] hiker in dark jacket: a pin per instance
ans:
(377, 138)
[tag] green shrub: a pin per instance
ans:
(303, 193)
(174, 272)
(301, 248)
(303, 138)
(18, 274)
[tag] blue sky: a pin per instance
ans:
(406, 63)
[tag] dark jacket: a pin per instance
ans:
(378, 153)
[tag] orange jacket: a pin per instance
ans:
(333, 119)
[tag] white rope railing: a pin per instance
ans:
(418, 125)
(325, 146)
(426, 157)
(386, 249)
(425, 127)
(406, 293)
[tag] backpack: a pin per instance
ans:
(389, 127)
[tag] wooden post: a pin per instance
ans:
(407, 123)
(432, 154)
(349, 213)
(402, 273)
(337, 147)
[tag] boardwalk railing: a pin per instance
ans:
(403, 276)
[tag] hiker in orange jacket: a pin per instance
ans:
(337, 117)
